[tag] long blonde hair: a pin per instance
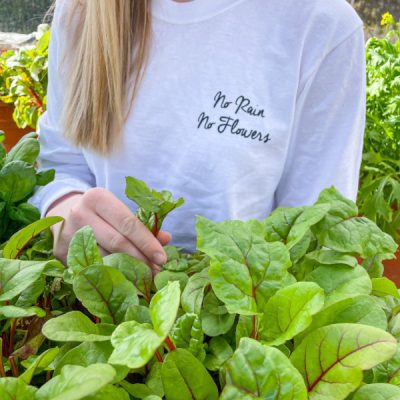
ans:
(109, 50)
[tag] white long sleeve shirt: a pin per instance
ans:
(246, 105)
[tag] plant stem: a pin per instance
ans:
(12, 333)
(159, 357)
(2, 371)
(14, 367)
(170, 344)
(155, 224)
(254, 327)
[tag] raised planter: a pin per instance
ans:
(392, 269)
(7, 124)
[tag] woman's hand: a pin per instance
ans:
(117, 230)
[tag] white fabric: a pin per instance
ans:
(246, 105)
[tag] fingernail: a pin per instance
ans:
(159, 258)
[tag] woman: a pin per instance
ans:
(239, 106)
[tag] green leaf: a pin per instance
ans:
(331, 359)
(83, 251)
(45, 177)
(73, 327)
(17, 276)
(163, 277)
(355, 310)
(15, 389)
(344, 231)
(215, 319)
(105, 292)
(261, 372)
(332, 257)
(164, 307)
(89, 353)
(289, 312)
(218, 353)
(245, 269)
(17, 181)
(27, 149)
(377, 391)
(136, 271)
(382, 287)
(153, 206)
(109, 392)
(19, 240)
(76, 382)
(340, 281)
(389, 371)
(24, 213)
(187, 334)
(185, 378)
(193, 294)
(135, 343)
(41, 362)
(11, 312)
(138, 313)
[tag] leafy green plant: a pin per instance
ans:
(23, 80)
(18, 178)
(278, 308)
(379, 192)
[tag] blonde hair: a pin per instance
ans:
(109, 51)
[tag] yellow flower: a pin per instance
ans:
(387, 19)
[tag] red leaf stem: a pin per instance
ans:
(170, 344)
(14, 367)
(159, 357)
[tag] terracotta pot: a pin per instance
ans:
(392, 269)
(7, 124)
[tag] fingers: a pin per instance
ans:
(164, 237)
(111, 241)
(120, 217)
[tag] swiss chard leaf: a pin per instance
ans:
(331, 359)
(245, 269)
(261, 372)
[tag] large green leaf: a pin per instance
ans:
(105, 292)
(289, 311)
(185, 378)
(89, 353)
(245, 269)
(17, 181)
(291, 225)
(73, 327)
(135, 343)
(136, 271)
(331, 359)
(76, 382)
(15, 389)
(261, 372)
(354, 310)
(344, 231)
(16, 276)
(19, 240)
(26, 150)
(377, 391)
(193, 294)
(341, 281)
(83, 251)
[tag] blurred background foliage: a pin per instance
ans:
(24, 16)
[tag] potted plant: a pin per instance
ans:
(23, 86)
(379, 192)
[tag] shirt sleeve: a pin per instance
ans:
(68, 161)
(328, 130)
